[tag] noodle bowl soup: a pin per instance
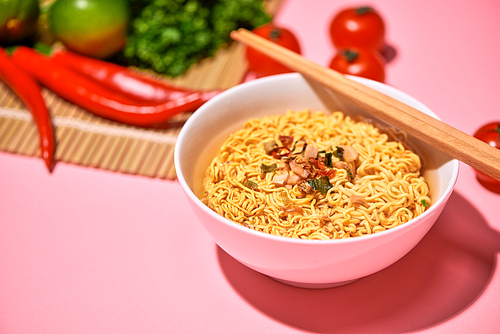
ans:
(296, 250)
(314, 176)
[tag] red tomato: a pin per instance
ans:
(360, 62)
(261, 64)
(358, 27)
(489, 133)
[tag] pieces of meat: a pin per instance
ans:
(298, 169)
(280, 179)
(350, 154)
(310, 152)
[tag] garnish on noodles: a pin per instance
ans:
(314, 176)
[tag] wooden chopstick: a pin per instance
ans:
(436, 133)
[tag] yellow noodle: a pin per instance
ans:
(387, 177)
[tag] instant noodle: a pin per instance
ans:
(314, 176)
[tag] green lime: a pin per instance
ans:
(18, 19)
(95, 28)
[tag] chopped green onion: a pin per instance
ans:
(269, 146)
(424, 203)
(249, 184)
(284, 197)
(321, 184)
(301, 149)
(328, 159)
(339, 153)
(268, 168)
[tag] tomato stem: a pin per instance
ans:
(363, 10)
(275, 34)
(349, 55)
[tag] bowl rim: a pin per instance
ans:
(231, 224)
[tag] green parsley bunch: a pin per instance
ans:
(169, 36)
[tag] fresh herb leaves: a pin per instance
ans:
(169, 36)
(328, 159)
(249, 184)
(339, 153)
(268, 168)
(321, 184)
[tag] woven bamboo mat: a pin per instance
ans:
(88, 140)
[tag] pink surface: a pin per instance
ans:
(89, 251)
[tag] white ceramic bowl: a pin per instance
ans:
(303, 263)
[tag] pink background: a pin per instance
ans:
(89, 251)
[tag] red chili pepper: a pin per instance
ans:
(97, 99)
(318, 163)
(330, 173)
(29, 91)
(123, 79)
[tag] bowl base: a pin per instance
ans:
(313, 285)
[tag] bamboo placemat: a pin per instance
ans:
(88, 140)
